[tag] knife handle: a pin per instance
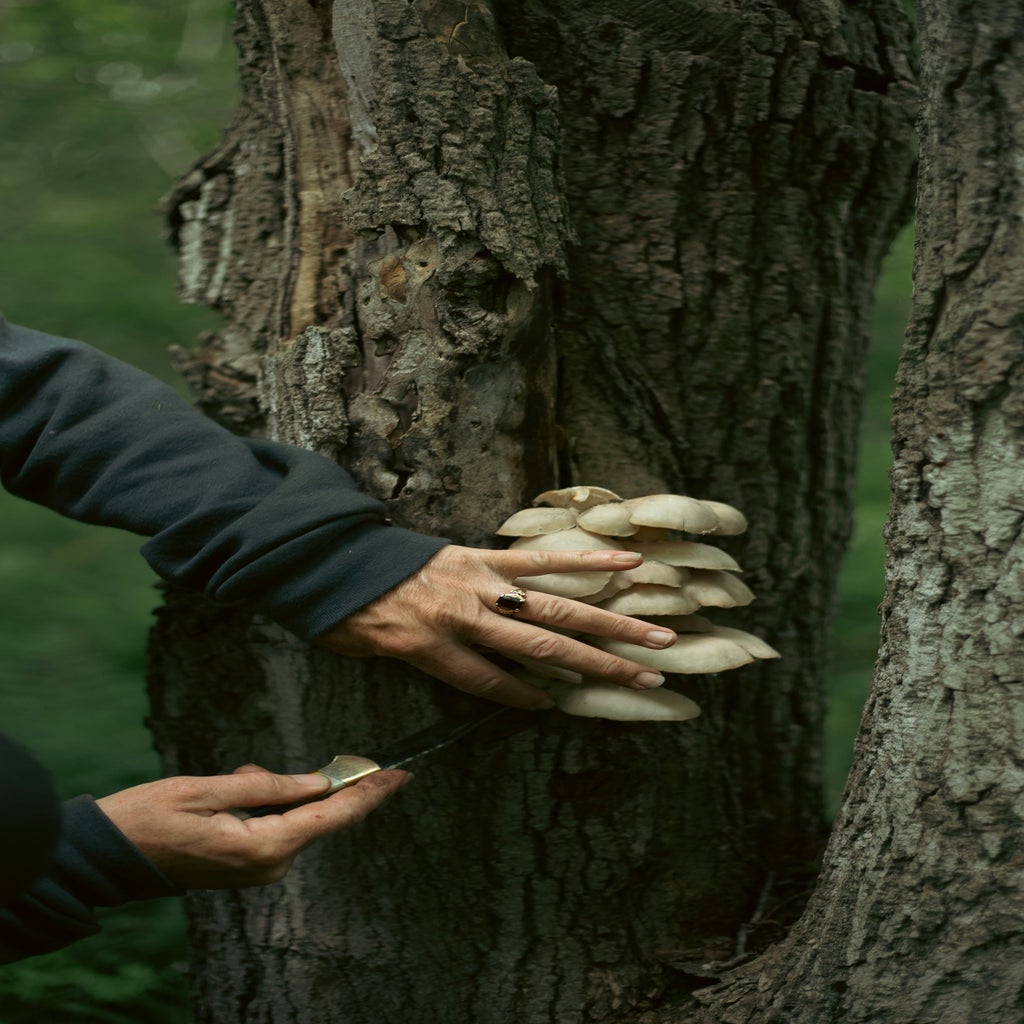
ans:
(344, 770)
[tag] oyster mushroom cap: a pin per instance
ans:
(580, 497)
(611, 520)
(651, 599)
(672, 512)
(532, 522)
(686, 552)
(589, 699)
(717, 589)
(646, 572)
(652, 572)
(731, 521)
(566, 584)
(691, 654)
(565, 540)
(610, 589)
(606, 700)
(751, 644)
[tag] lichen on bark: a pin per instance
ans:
(919, 907)
(385, 236)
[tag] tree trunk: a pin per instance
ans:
(473, 254)
(919, 914)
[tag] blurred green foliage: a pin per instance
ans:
(855, 636)
(102, 104)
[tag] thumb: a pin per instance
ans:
(251, 786)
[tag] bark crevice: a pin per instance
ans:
(629, 247)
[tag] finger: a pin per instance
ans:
(560, 611)
(520, 639)
(578, 617)
(253, 788)
(472, 673)
(301, 825)
(514, 562)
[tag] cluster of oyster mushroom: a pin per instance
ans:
(677, 577)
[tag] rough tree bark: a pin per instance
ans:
(919, 914)
(474, 253)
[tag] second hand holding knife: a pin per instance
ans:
(348, 769)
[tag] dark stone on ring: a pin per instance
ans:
(512, 602)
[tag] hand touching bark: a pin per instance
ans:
(184, 825)
(440, 618)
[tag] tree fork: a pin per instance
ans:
(461, 285)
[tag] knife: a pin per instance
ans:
(348, 769)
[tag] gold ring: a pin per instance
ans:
(512, 602)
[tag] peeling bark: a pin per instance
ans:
(474, 253)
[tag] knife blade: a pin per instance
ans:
(347, 769)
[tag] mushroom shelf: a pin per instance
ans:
(678, 577)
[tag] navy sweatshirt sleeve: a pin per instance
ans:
(94, 866)
(30, 821)
(281, 529)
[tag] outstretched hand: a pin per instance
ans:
(441, 617)
(184, 825)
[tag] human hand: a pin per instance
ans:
(440, 617)
(184, 825)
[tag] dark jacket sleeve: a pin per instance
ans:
(281, 529)
(94, 866)
(30, 821)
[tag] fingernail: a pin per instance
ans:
(649, 679)
(627, 556)
(310, 778)
(545, 705)
(405, 782)
(660, 638)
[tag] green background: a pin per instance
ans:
(102, 104)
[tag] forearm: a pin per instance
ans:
(282, 529)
